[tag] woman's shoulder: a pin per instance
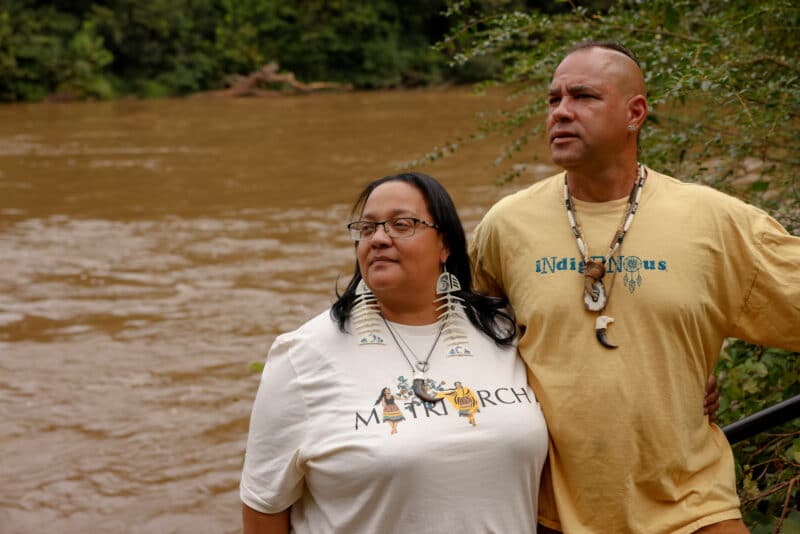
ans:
(312, 336)
(321, 326)
(310, 349)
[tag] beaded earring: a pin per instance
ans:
(366, 316)
(451, 313)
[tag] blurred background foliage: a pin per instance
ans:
(104, 49)
(152, 48)
(723, 88)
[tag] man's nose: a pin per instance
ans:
(563, 110)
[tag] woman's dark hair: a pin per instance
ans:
(489, 314)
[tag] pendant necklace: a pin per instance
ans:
(420, 367)
(595, 297)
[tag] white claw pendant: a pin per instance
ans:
(600, 327)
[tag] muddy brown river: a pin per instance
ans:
(150, 251)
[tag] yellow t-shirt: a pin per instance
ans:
(631, 450)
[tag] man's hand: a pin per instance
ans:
(711, 400)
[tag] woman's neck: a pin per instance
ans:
(408, 313)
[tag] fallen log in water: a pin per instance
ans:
(258, 84)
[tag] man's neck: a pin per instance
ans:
(602, 184)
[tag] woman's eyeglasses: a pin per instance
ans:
(398, 227)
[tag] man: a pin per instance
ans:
(625, 283)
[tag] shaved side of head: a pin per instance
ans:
(620, 61)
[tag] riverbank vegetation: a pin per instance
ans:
(149, 48)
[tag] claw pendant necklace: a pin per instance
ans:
(418, 369)
(595, 297)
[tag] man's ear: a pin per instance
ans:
(637, 110)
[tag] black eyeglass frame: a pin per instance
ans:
(356, 231)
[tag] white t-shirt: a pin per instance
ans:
(328, 439)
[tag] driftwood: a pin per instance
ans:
(254, 84)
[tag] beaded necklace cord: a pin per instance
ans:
(595, 297)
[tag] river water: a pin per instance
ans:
(150, 251)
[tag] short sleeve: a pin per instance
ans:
(272, 478)
(483, 280)
(770, 314)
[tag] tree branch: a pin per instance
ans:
(768, 59)
(772, 490)
(677, 35)
(785, 506)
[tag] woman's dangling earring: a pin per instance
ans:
(451, 313)
(366, 316)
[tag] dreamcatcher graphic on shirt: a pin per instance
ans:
(633, 276)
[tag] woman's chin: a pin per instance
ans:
(382, 276)
(381, 285)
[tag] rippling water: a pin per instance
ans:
(149, 252)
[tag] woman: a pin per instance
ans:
(318, 458)
(391, 412)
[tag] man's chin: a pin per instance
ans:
(564, 159)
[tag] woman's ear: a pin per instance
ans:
(445, 253)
